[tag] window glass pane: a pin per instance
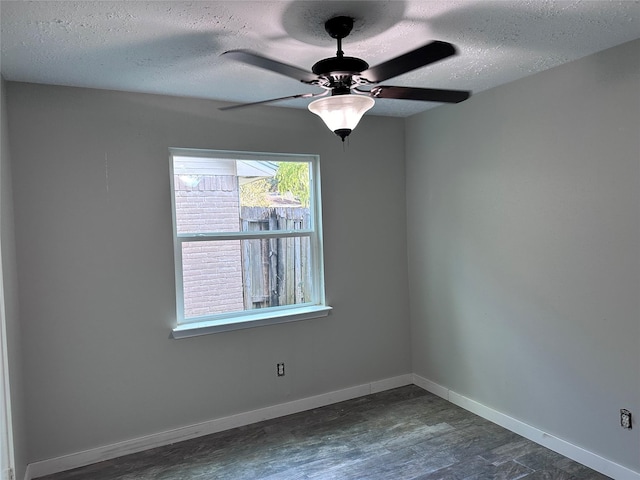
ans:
(211, 278)
(222, 195)
(233, 275)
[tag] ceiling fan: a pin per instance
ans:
(350, 85)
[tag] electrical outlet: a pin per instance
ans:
(625, 418)
(280, 369)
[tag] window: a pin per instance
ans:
(247, 237)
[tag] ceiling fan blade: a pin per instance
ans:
(290, 97)
(257, 60)
(429, 53)
(423, 94)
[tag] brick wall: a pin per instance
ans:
(212, 271)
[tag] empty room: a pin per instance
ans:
(320, 240)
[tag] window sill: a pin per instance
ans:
(249, 321)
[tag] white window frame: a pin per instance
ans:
(259, 317)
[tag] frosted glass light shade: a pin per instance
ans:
(341, 112)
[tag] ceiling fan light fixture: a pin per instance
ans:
(341, 113)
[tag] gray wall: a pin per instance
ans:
(523, 241)
(10, 294)
(524, 249)
(95, 258)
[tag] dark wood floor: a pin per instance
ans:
(405, 433)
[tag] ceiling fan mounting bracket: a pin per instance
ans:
(339, 27)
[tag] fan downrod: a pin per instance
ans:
(338, 28)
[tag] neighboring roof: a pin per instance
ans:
(254, 169)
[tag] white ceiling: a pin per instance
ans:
(174, 47)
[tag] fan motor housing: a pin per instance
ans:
(351, 65)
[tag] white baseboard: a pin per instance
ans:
(430, 386)
(393, 382)
(108, 452)
(585, 457)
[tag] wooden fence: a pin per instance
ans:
(276, 271)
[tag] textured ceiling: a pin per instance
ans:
(174, 47)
